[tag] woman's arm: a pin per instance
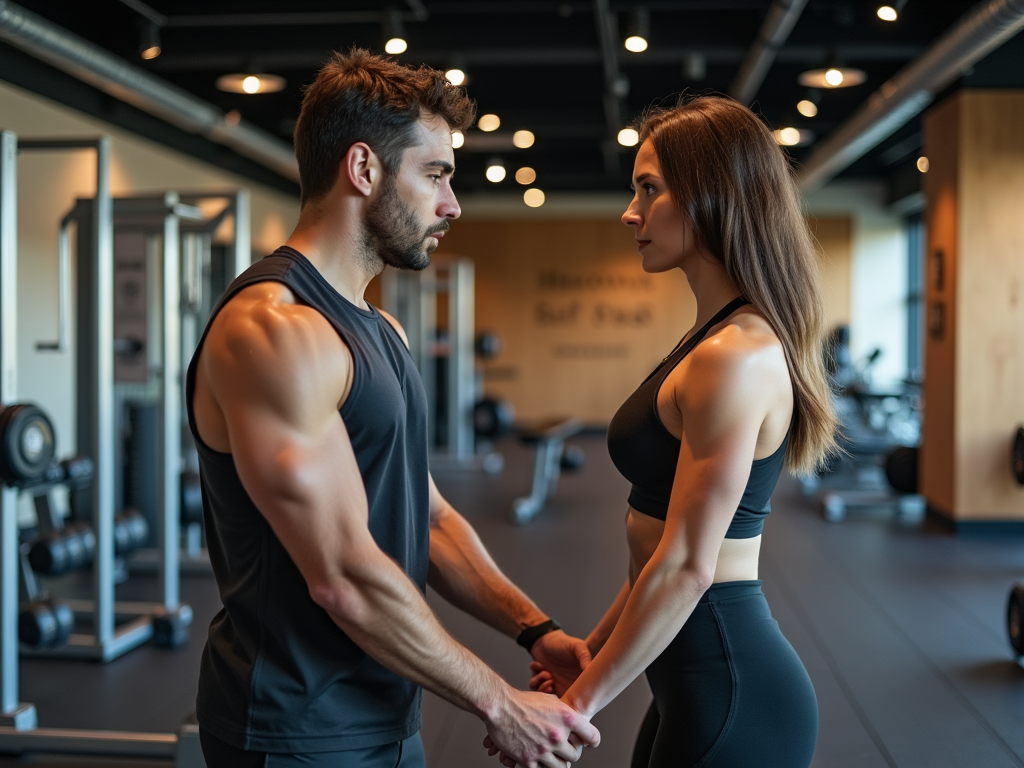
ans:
(600, 634)
(723, 404)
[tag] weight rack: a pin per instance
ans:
(19, 731)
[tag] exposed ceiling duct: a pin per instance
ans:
(93, 65)
(781, 18)
(977, 34)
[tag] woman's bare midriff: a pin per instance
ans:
(737, 559)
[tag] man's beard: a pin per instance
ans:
(393, 235)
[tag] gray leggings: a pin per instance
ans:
(401, 754)
(729, 691)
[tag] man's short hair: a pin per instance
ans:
(358, 96)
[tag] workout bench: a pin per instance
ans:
(548, 438)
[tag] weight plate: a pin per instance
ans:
(27, 444)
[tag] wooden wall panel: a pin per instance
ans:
(974, 395)
(990, 302)
(834, 236)
(941, 133)
(582, 323)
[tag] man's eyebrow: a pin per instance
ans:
(444, 165)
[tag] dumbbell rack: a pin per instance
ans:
(19, 731)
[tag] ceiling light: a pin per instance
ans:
(638, 29)
(807, 108)
(922, 164)
(495, 170)
(149, 41)
(242, 83)
(833, 77)
(534, 197)
(523, 139)
(887, 13)
(488, 123)
(526, 176)
(455, 76)
(793, 137)
(628, 137)
(393, 35)
(458, 139)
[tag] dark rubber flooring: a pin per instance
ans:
(901, 629)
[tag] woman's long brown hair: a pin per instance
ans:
(734, 186)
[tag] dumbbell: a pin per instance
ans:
(573, 458)
(131, 531)
(492, 418)
(27, 444)
(45, 623)
(61, 551)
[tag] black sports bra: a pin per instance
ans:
(646, 454)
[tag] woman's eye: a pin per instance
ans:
(649, 189)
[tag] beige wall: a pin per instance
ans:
(834, 238)
(48, 184)
(974, 395)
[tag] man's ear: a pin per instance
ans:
(362, 168)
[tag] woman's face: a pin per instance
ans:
(664, 239)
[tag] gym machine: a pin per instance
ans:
(444, 358)
(33, 446)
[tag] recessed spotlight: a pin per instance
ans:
(534, 197)
(149, 41)
(635, 44)
(628, 137)
(638, 30)
(832, 77)
(807, 108)
(488, 123)
(393, 34)
(523, 139)
(458, 139)
(495, 171)
(455, 76)
(793, 137)
(242, 83)
(922, 164)
(887, 13)
(526, 176)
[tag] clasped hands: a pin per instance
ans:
(536, 729)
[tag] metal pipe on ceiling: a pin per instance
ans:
(983, 29)
(781, 18)
(93, 65)
(616, 86)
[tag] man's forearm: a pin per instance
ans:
(383, 612)
(465, 575)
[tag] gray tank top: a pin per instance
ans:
(277, 674)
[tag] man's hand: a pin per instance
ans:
(536, 730)
(562, 657)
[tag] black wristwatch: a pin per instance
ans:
(531, 635)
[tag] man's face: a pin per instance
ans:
(410, 214)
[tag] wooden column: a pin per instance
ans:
(974, 351)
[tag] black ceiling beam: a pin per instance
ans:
(724, 54)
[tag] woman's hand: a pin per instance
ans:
(558, 661)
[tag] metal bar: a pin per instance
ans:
(131, 84)
(9, 557)
(242, 232)
(122, 609)
(103, 404)
(978, 33)
(460, 359)
(169, 539)
(63, 288)
(82, 742)
(779, 22)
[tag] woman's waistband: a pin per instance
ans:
(727, 590)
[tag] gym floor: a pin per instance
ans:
(901, 629)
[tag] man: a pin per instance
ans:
(322, 521)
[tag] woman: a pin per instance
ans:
(703, 441)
